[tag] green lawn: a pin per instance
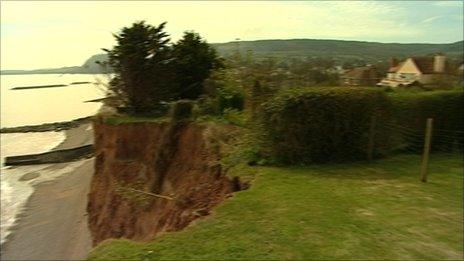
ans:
(350, 211)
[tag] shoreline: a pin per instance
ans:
(53, 222)
(78, 136)
(54, 126)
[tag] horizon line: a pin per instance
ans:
(331, 39)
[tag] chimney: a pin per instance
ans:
(439, 63)
(393, 62)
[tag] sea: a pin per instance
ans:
(34, 107)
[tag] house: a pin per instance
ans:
(415, 71)
(461, 69)
(361, 76)
(460, 74)
(337, 69)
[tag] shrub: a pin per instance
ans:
(231, 98)
(234, 116)
(206, 106)
(324, 124)
(181, 110)
(411, 111)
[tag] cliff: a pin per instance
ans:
(155, 177)
(95, 64)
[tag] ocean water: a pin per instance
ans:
(32, 107)
(37, 106)
(14, 193)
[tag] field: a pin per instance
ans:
(346, 211)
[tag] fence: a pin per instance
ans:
(412, 141)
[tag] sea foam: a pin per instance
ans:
(14, 192)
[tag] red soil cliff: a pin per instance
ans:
(135, 162)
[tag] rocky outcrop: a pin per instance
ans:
(155, 177)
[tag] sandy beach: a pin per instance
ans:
(53, 225)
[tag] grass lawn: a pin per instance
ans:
(350, 211)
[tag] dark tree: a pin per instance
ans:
(255, 99)
(139, 61)
(193, 61)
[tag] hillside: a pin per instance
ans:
(89, 67)
(72, 69)
(338, 49)
(297, 48)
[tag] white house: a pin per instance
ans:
(415, 70)
(461, 69)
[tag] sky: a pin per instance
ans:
(48, 34)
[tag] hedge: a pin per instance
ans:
(411, 111)
(325, 124)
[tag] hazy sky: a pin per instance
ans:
(42, 34)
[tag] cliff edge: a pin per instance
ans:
(155, 177)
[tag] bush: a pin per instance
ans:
(411, 111)
(206, 106)
(181, 110)
(324, 124)
(231, 98)
(235, 117)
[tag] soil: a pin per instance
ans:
(137, 161)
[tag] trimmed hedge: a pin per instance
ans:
(411, 110)
(325, 124)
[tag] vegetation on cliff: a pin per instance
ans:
(148, 71)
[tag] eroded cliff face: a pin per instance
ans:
(136, 162)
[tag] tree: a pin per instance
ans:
(255, 99)
(192, 63)
(150, 71)
(139, 61)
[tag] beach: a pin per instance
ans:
(53, 223)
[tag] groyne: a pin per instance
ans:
(54, 126)
(55, 156)
(39, 87)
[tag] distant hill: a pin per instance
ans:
(89, 67)
(369, 51)
(72, 69)
(296, 48)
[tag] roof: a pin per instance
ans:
(395, 68)
(424, 64)
(365, 72)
